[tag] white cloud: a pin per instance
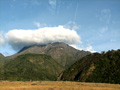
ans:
(35, 2)
(1, 40)
(104, 29)
(52, 6)
(19, 38)
(52, 2)
(75, 46)
(37, 24)
(76, 12)
(105, 16)
(72, 25)
(113, 40)
(88, 48)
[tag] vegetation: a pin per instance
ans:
(56, 85)
(48, 61)
(104, 67)
(2, 59)
(62, 53)
(31, 67)
(44, 63)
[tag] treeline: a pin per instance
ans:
(104, 68)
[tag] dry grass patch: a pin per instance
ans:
(56, 85)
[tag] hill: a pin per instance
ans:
(95, 67)
(1, 55)
(64, 54)
(32, 66)
(1, 60)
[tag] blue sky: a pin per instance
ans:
(97, 22)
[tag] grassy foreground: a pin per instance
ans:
(56, 85)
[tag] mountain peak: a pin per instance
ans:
(64, 54)
(44, 45)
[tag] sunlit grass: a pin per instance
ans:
(56, 85)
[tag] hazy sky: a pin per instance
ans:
(92, 25)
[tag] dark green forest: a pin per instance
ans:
(103, 68)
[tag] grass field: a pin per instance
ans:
(56, 85)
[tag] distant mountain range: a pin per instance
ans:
(39, 62)
(95, 67)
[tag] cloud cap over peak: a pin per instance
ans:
(18, 38)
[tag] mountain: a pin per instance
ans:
(1, 60)
(64, 54)
(1, 55)
(32, 67)
(104, 67)
(40, 62)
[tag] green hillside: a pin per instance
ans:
(32, 66)
(1, 60)
(104, 67)
(62, 53)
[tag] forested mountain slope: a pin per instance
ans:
(104, 67)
